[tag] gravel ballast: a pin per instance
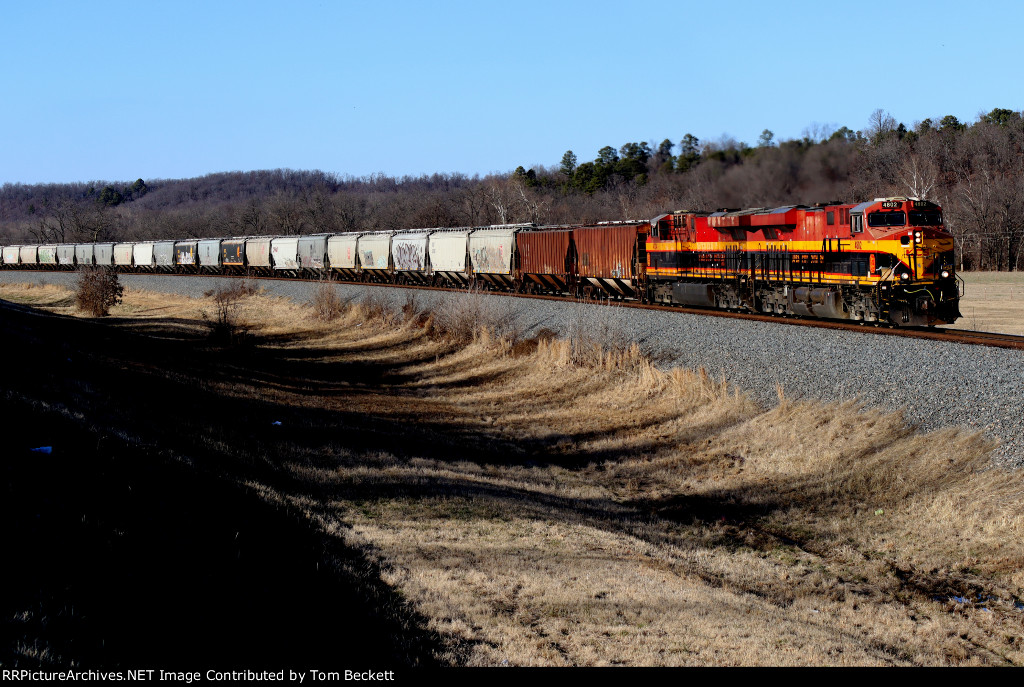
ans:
(937, 384)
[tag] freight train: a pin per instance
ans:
(887, 261)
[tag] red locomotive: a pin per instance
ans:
(888, 260)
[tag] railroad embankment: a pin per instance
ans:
(493, 494)
(935, 384)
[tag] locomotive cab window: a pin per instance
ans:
(887, 219)
(925, 219)
(856, 224)
(830, 217)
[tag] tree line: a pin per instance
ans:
(974, 170)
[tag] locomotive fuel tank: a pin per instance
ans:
(809, 302)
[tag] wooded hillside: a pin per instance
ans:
(975, 171)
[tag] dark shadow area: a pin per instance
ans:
(122, 553)
(157, 379)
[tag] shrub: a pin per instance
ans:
(595, 337)
(327, 304)
(239, 289)
(223, 325)
(464, 316)
(376, 307)
(411, 310)
(98, 290)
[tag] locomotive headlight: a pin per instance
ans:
(917, 237)
(904, 275)
(945, 274)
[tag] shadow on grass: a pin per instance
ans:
(403, 422)
(177, 563)
(128, 553)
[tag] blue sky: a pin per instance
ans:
(99, 91)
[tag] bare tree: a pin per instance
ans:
(918, 175)
(880, 123)
(532, 207)
(502, 196)
(68, 221)
(252, 219)
(817, 132)
(285, 212)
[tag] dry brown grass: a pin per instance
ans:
(327, 303)
(992, 302)
(464, 316)
(556, 509)
(49, 296)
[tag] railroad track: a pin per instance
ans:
(961, 336)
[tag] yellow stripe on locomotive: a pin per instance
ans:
(887, 260)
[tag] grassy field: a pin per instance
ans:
(992, 302)
(473, 499)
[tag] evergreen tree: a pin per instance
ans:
(1000, 116)
(950, 123)
(568, 163)
(606, 156)
(689, 155)
(110, 197)
(664, 161)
